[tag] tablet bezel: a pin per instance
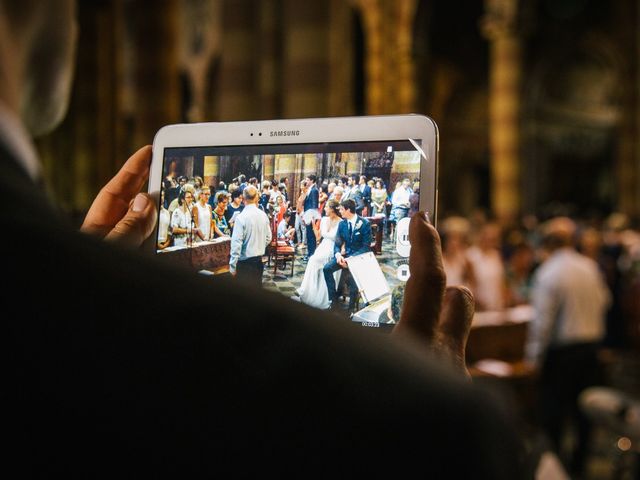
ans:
(305, 131)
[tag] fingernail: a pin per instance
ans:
(426, 217)
(140, 203)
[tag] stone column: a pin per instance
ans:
(504, 107)
(389, 66)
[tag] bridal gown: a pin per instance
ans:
(313, 290)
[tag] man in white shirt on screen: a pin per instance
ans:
(251, 235)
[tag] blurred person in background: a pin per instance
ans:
(455, 242)
(519, 270)
(488, 267)
(570, 299)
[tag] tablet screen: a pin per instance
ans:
(315, 200)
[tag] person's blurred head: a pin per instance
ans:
(241, 179)
(558, 233)
(253, 181)
(222, 186)
(490, 237)
(198, 182)
(406, 182)
(348, 208)
(332, 208)
(266, 185)
(204, 195)
(185, 198)
(222, 199)
(337, 193)
(312, 178)
(379, 184)
(250, 194)
(363, 180)
(37, 55)
(590, 243)
(330, 187)
(236, 196)
(455, 234)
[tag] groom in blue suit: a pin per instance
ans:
(353, 238)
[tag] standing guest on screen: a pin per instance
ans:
(353, 238)
(311, 213)
(365, 191)
(313, 289)
(379, 199)
(284, 181)
(202, 215)
(164, 221)
(222, 188)
(301, 229)
(265, 196)
(280, 209)
(242, 182)
(235, 206)
(249, 240)
(222, 228)
(181, 221)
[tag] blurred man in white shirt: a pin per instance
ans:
(570, 299)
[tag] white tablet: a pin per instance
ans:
(387, 165)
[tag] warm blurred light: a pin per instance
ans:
(624, 444)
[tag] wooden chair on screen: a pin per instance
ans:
(279, 250)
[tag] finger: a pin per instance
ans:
(112, 203)
(425, 287)
(131, 177)
(137, 224)
(455, 323)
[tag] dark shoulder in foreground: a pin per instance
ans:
(116, 364)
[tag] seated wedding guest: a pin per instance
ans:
(202, 215)
(249, 240)
(221, 224)
(313, 289)
(284, 231)
(353, 237)
(164, 221)
(181, 221)
(234, 208)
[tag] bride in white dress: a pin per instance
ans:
(313, 290)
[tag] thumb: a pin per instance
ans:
(137, 224)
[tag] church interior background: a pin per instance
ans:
(536, 100)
